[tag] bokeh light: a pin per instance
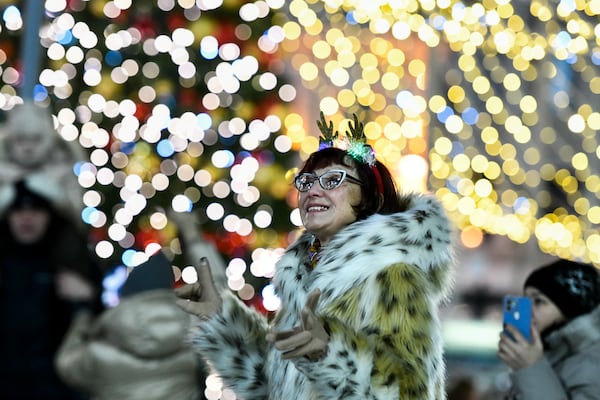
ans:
(206, 107)
(490, 94)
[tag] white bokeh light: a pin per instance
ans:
(158, 220)
(295, 217)
(271, 301)
(181, 203)
(116, 232)
(262, 219)
(92, 198)
(104, 249)
(160, 182)
(123, 217)
(235, 268)
(189, 274)
(231, 223)
(215, 211)
(133, 182)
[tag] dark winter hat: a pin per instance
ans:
(573, 287)
(26, 198)
(156, 273)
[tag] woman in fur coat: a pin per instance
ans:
(359, 292)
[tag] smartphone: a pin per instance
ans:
(517, 312)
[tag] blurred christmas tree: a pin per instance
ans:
(490, 105)
(180, 107)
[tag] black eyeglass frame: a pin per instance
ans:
(345, 176)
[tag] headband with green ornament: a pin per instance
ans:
(354, 144)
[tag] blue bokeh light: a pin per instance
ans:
(164, 148)
(470, 115)
(443, 115)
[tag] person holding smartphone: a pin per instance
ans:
(561, 359)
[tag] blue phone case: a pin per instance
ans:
(517, 312)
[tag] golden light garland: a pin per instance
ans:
(493, 105)
(500, 99)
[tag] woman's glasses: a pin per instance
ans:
(328, 180)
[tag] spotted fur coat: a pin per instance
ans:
(381, 282)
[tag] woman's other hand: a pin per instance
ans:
(200, 298)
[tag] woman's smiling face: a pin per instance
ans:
(325, 212)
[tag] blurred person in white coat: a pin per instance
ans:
(137, 350)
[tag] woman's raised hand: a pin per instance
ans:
(200, 298)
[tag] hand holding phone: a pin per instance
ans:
(517, 312)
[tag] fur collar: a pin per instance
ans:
(419, 236)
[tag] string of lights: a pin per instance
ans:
(493, 105)
(209, 105)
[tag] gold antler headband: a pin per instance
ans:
(354, 143)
